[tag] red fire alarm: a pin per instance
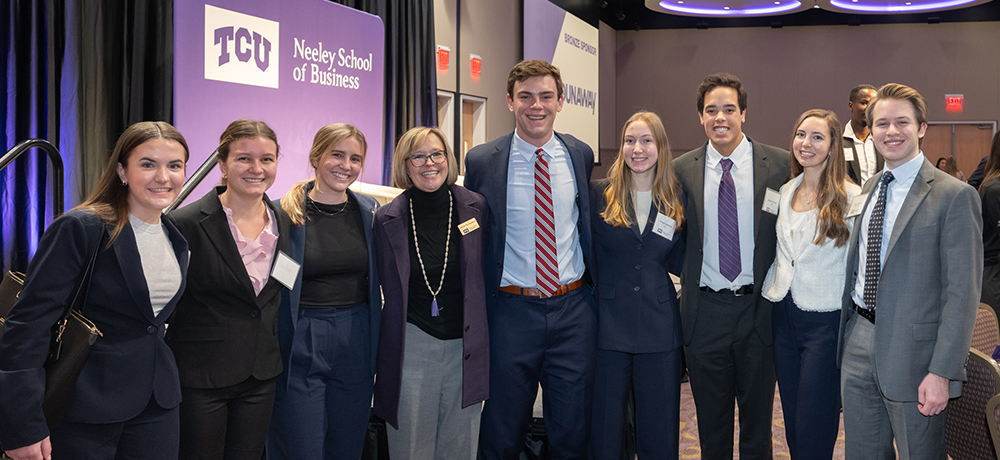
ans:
(953, 102)
(476, 65)
(443, 53)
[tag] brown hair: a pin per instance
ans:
(534, 68)
(325, 140)
(243, 129)
(666, 188)
(904, 93)
(723, 79)
(109, 200)
(832, 194)
(409, 143)
(992, 169)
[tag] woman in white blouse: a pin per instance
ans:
(806, 284)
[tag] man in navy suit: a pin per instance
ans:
(728, 183)
(541, 312)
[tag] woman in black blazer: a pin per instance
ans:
(637, 241)
(224, 332)
(125, 401)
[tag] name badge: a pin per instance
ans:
(468, 226)
(849, 153)
(857, 205)
(285, 270)
(771, 199)
(664, 226)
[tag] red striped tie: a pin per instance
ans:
(546, 267)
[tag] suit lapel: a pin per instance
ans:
(128, 259)
(920, 188)
(852, 252)
(281, 221)
(697, 173)
(216, 228)
(498, 165)
(397, 228)
(760, 177)
(465, 208)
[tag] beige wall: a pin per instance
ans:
(789, 70)
(491, 29)
(446, 33)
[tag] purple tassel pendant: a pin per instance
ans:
(435, 311)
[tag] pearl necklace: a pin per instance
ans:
(435, 310)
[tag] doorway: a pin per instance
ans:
(967, 141)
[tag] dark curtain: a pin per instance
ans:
(78, 72)
(33, 40)
(410, 76)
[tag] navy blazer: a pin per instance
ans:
(288, 313)
(392, 235)
(487, 168)
(637, 310)
(223, 332)
(127, 367)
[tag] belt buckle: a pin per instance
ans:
(532, 292)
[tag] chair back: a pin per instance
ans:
(985, 334)
(966, 432)
(993, 420)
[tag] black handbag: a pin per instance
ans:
(10, 288)
(72, 338)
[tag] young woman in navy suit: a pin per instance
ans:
(224, 332)
(638, 241)
(329, 321)
(433, 354)
(806, 284)
(125, 401)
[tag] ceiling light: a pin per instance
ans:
(855, 6)
(783, 7)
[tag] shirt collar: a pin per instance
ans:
(527, 150)
(741, 156)
(907, 171)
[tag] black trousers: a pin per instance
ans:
(228, 423)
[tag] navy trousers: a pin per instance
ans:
(805, 362)
(656, 379)
(324, 414)
(549, 341)
(151, 435)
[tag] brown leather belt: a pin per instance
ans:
(534, 292)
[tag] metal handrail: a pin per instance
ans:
(194, 180)
(57, 168)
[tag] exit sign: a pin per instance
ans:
(953, 102)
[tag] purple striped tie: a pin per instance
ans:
(546, 265)
(729, 228)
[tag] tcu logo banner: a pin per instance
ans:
(240, 48)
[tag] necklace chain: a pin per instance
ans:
(447, 242)
(331, 214)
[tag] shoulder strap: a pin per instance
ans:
(80, 296)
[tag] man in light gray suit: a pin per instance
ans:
(914, 273)
(730, 246)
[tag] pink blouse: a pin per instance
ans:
(256, 253)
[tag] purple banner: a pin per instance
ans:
(295, 64)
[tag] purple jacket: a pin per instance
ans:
(392, 234)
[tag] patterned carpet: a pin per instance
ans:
(689, 448)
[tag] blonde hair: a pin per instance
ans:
(666, 189)
(325, 140)
(109, 200)
(832, 194)
(409, 143)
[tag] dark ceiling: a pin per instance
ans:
(638, 17)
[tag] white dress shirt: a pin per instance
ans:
(742, 172)
(519, 247)
(867, 165)
(894, 197)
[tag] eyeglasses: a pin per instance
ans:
(421, 159)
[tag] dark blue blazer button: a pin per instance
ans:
(151, 329)
(253, 314)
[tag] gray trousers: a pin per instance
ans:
(870, 420)
(432, 423)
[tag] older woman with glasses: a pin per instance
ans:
(433, 353)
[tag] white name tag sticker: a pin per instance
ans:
(285, 270)
(857, 205)
(664, 226)
(771, 199)
(849, 153)
(468, 226)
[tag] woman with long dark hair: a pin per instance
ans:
(224, 332)
(126, 397)
(638, 242)
(806, 284)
